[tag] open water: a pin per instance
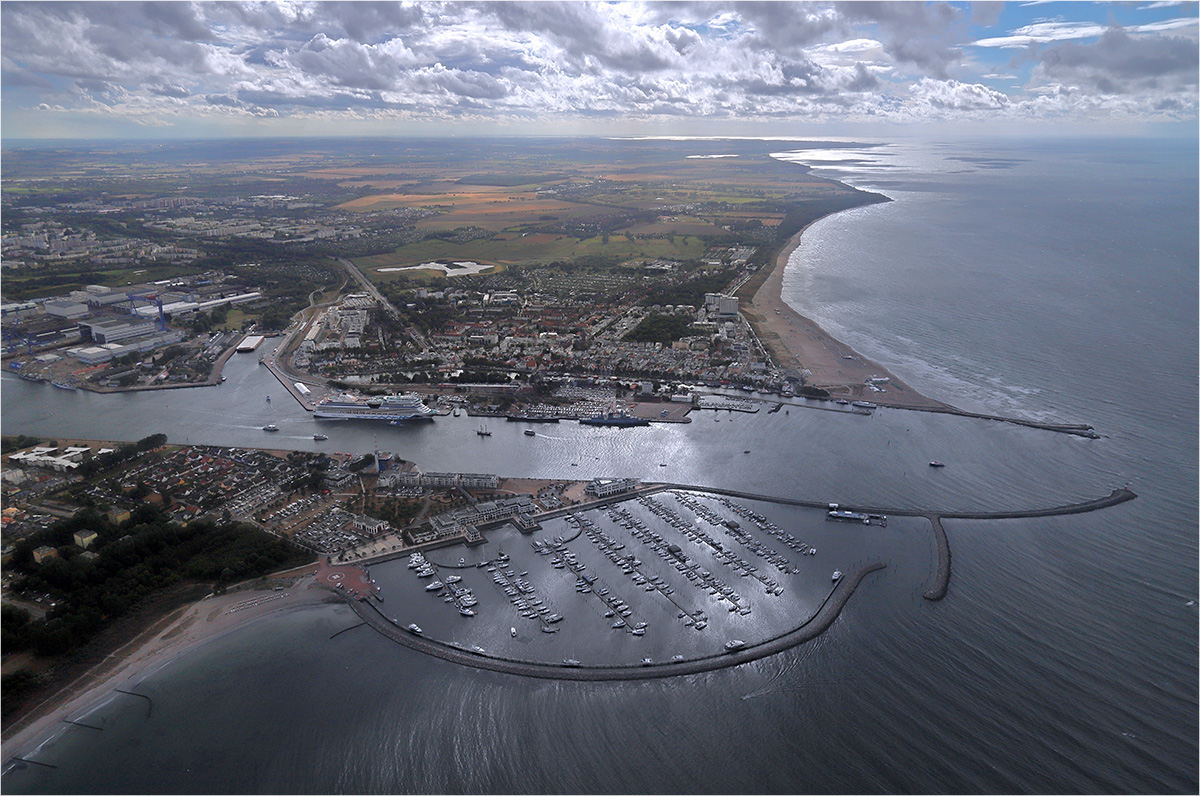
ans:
(1050, 280)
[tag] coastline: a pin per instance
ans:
(179, 633)
(799, 343)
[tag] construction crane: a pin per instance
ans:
(162, 318)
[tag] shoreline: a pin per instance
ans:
(799, 343)
(180, 633)
(193, 626)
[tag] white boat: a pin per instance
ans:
(319, 437)
(453, 579)
(466, 612)
(437, 584)
(398, 407)
(412, 628)
(270, 427)
(837, 575)
(513, 632)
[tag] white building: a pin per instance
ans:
(604, 487)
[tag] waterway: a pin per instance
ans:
(1063, 658)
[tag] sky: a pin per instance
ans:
(215, 69)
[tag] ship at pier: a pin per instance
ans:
(394, 408)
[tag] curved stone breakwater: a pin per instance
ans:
(941, 583)
(812, 627)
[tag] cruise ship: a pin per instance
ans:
(402, 406)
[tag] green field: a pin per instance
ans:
(529, 250)
(31, 283)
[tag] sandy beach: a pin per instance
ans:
(799, 343)
(178, 633)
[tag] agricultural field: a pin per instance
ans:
(490, 208)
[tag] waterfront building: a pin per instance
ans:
(440, 480)
(604, 487)
(479, 481)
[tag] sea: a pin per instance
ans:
(1051, 280)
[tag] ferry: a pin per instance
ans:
(398, 407)
(864, 404)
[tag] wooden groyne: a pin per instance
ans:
(149, 701)
(812, 627)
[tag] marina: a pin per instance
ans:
(672, 573)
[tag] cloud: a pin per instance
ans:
(1119, 63)
(546, 63)
(1044, 32)
(953, 95)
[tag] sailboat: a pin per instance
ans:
(483, 431)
